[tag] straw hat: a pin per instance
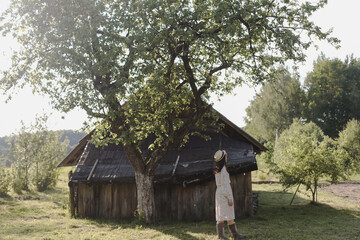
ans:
(219, 155)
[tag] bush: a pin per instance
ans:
(19, 176)
(47, 179)
(44, 171)
(4, 182)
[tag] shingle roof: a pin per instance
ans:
(192, 163)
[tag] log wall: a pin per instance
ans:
(173, 202)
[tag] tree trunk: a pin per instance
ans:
(145, 168)
(145, 196)
(314, 193)
(295, 194)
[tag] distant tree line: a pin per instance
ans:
(312, 130)
(6, 159)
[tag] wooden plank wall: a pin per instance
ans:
(242, 191)
(106, 200)
(197, 202)
(173, 202)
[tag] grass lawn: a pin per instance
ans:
(45, 216)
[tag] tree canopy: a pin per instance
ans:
(279, 101)
(333, 93)
(146, 68)
(97, 55)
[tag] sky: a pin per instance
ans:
(343, 16)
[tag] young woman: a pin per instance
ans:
(224, 203)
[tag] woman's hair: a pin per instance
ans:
(219, 165)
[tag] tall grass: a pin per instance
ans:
(44, 216)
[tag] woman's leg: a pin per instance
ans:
(220, 230)
(230, 222)
(233, 230)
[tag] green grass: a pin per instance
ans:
(45, 216)
(355, 177)
(332, 218)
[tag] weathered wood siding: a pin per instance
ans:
(173, 202)
(106, 200)
(197, 202)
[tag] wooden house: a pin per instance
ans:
(103, 182)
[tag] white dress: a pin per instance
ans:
(223, 211)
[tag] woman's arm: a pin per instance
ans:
(227, 191)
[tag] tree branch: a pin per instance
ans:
(207, 82)
(178, 136)
(135, 158)
(219, 68)
(173, 56)
(190, 73)
(181, 84)
(90, 112)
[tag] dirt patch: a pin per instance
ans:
(350, 190)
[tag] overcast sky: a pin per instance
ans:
(343, 16)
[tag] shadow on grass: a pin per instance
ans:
(55, 195)
(275, 219)
(7, 200)
(179, 230)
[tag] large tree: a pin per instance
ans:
(145, 68)
(274, 108)
(333, 93)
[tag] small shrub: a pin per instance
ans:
(46, 179)
(4, 182)
(262, 177)
(139, 217)
(17, 185)
(19, 179)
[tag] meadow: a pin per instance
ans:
(45, 216)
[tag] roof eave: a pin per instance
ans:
(73, 157)
(257, 144)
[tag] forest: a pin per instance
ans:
(311, 129)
